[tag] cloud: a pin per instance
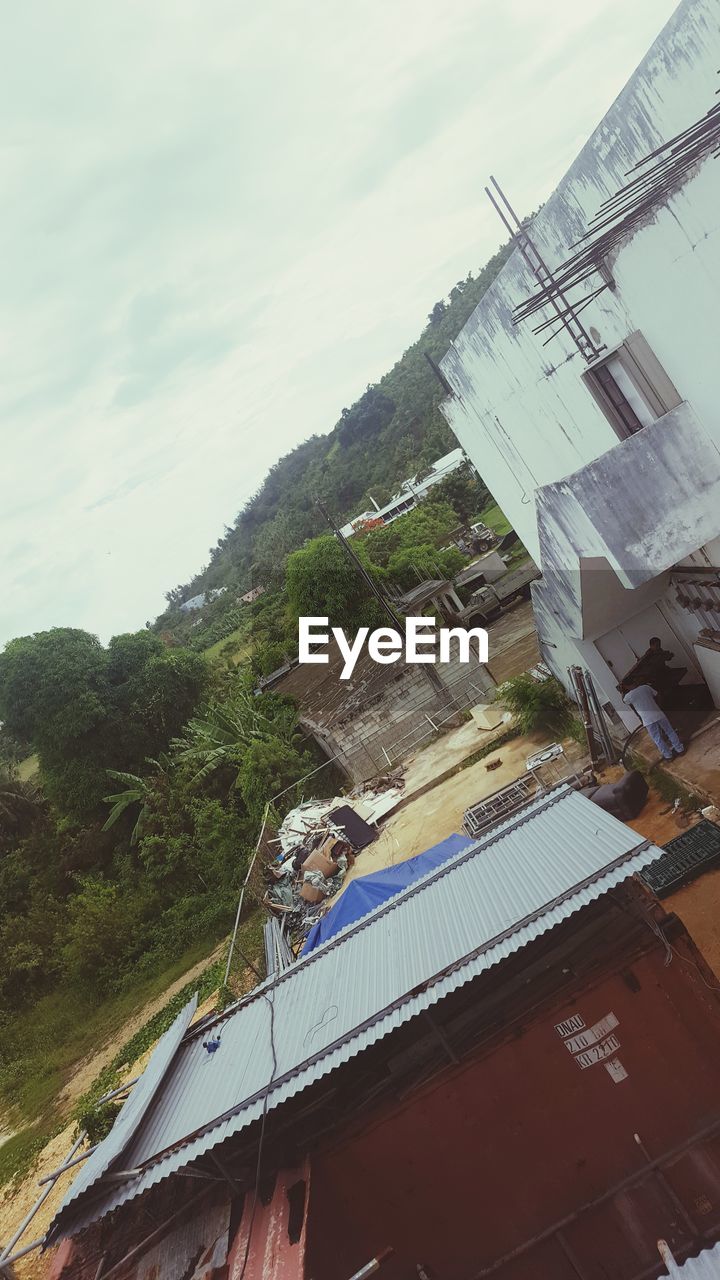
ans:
(219, 224)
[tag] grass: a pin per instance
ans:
(27, 768)
(19, 1153)
(496, 520)
(664, 783)
(67, 1026)
(242, 646)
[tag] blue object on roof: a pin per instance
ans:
(369, 892)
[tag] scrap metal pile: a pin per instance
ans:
(318, 841)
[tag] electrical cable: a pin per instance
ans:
(627, 742)
(671, 951)
(711, 986)
(261, 1139)
(242, 893)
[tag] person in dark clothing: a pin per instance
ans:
(655, 655)
(652, 669)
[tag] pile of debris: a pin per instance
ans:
(300, 885)
(318, 841)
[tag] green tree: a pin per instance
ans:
(465, 493)
(20, 806)
(85, 709)
(219, 737)
(407, 566)
(268, 768)
(53, 687)
(322, 581)
(142, 792)
(428, 525)
(101, 924)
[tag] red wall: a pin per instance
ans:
(497, 1150)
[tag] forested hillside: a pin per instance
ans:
(153, 759)
(392, 432)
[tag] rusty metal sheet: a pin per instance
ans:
(271, 1239)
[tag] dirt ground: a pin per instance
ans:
(19, 1200)
(428, 765)
(698, 906)
(438, 813)
(513, 642)
(699, 767)
(14, 1207)
(89, 1069)
(657, 822)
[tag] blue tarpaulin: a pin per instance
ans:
(367, 893)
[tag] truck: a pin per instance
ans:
(488, 602)
(473, 539)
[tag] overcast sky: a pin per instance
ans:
(220, 221)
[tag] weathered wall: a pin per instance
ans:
(574, 492)
(521, 410)
(399, 719)
(515, 1139)
(642, 506)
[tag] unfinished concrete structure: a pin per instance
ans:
(382, 713)
(585, 386)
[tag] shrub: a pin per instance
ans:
(539, 706)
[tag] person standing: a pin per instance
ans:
(641, 697)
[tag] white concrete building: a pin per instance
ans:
(603, 448)
(411, 493)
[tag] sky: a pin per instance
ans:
(218, 223)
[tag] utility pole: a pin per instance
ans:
(362, 571)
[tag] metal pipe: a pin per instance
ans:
(115, 1093)
(553, 294)
(668, 1258)
(373, 1265)
(70, 1164)
(38, 1204)
(154, 1236)
(21, 1253)
(606, 740)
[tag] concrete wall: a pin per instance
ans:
(399, 718)
(579, 497)
(521, 410)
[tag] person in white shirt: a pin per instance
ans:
(641, 697)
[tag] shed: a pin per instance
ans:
(495, 1035)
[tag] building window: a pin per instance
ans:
(631, 387)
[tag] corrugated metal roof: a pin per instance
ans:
(522, 878)
(706, 1266)
(131, 1114)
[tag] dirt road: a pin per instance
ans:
(89, 1069)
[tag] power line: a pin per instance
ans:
(360, 567)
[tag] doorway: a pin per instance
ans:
(689, 703)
